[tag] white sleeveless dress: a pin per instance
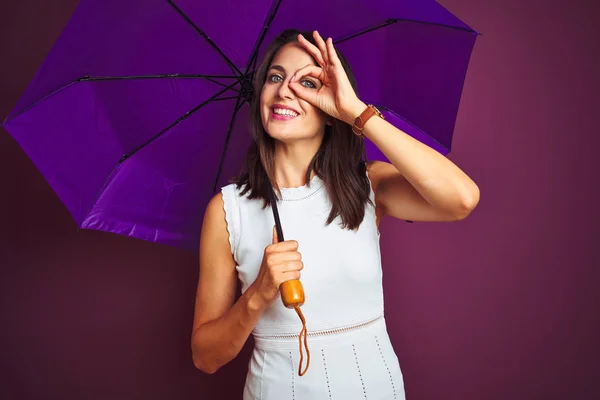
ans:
(351, 353)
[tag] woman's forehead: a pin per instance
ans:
(292, 56)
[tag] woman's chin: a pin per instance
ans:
(289, 133)
(286, 137)
(283, 132)
(289, 136)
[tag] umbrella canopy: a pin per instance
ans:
(140, 111)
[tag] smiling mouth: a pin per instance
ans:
(284, 113)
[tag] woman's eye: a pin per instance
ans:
(275, 78)
(309, 84)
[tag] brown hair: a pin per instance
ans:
(339, 162)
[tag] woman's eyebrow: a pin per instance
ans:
(278, 68)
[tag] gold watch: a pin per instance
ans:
(361, 120)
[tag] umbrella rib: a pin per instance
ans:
(226, 98)
(127, 155)
(266, 26)
(385, 108)
(230, 63)
(158, 76)
(395, 20)
(177, 121)
(238, 105)
(211, 78)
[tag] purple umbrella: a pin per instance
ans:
(139, 113)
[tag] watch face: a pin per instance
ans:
(378, 112)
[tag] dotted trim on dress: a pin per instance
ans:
(262, 373)
(359, 373)
(305, 197)
(293, 377)
(386, 366)
(326, 375)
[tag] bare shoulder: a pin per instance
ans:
(215, 209)
(214, 236)
(217, 280)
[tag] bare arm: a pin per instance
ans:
(418, 184)
(397, 197)
(221, 327)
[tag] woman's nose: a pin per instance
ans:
(285, 91)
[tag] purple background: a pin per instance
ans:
(501, 305)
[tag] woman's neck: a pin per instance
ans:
(291, 166)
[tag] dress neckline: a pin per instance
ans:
(302, 192)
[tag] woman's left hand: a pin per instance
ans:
(335, 96)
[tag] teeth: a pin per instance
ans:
(285, 111)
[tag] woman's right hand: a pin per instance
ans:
(281, 262)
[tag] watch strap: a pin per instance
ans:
(361, 120)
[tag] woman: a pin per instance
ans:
(330, 202)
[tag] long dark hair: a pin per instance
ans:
(339, 162)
